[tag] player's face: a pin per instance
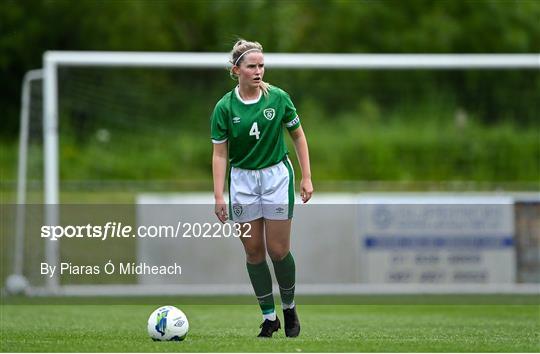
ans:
(251, 69)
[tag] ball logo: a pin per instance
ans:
(269, 113)
(162, 322)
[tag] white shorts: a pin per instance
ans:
(266, 193)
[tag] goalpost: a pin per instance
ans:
(53, 60)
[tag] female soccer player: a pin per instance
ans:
(247, 130)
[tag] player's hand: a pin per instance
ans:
(221, 210)
(306, 189)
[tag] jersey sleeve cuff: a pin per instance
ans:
(219, 141)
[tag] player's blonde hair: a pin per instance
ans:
(240, 48)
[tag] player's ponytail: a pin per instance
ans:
(240, 48)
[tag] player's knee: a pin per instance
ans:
(255, 255)
(277, 253)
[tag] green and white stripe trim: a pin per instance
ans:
(292, 287)
(287, 163)
(263, 296)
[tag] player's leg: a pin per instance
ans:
(246, 208)
(278, 203)
(278, 245)
(259, 274)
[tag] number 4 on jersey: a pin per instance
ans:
(255, 131)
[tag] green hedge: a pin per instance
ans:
(340, 149)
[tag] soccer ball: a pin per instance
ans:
(168, 323)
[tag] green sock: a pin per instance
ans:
(285, 274)
(262, 284)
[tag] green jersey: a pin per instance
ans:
(254, 129)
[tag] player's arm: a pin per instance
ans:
(219, 168)
(302, 152)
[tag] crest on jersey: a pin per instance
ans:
(269, 113)
(237, 209)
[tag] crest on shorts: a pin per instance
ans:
(269, 113)
(237, 209)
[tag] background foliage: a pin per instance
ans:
(405, 127)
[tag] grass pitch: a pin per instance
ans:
(233, 328)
